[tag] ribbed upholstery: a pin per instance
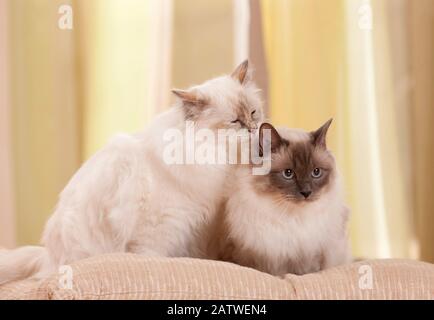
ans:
(25, 290)
(128, 276)
(391, 279)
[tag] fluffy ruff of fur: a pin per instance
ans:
(282, 237)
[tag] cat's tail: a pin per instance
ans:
(24, 262)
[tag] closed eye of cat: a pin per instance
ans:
(253, 112)
(235, 121)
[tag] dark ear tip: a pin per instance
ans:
(328, 124)
(319, 135)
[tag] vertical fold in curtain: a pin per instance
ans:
(382, 225)
(395, 42)
(203, 43)
(44, 115)
(421, 23)
(256, 50)
(159, 28)
(124, 52)
(303, 86)
(241, 23)
(7, 225)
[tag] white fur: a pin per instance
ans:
(126, 199)
(275, 233)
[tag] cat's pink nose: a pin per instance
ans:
(306, 194)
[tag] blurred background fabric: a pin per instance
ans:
(367, 64)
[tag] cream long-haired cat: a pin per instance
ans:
(292, 220)
(127, 199)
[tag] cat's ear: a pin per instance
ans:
(188, 96)
(270, 139)
(319, 135)
(241, 73)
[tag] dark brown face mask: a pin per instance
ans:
(300, 170)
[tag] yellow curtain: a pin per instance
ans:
(421, 18)
(339, 59)
(115, 51)
(7, 225)
(202, 40)
(44, 115)
(72, 89)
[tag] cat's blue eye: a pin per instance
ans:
(316, 173)
(288, 174)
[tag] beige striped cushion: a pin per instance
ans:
(25, 290)
(128, 276)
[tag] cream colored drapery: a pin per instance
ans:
(202, 44)
(42, 113)
(123, 50)
(421, 56)
(361, 62)
(7, 218)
